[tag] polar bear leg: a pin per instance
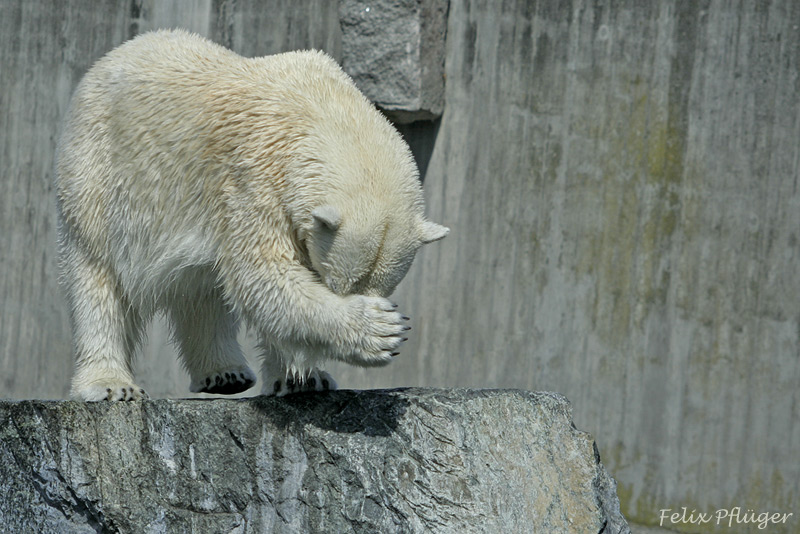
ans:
(106, 329)
(287, 302)
(286, 369)
(204, 330)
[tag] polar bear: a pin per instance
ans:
(218, 188)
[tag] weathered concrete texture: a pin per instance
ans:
(622, 181)
(380, 461)
(395, 53)
(37, 75)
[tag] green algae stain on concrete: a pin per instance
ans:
(639, 172)
(642, 505)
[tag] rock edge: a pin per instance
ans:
(405, 460)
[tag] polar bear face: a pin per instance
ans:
(364, 254)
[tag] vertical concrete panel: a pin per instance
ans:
(191, 15)
(41, 62)
(257, 28)
(621, 180)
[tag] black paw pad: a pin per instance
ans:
(227, 384)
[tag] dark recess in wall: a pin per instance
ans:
(421, 138)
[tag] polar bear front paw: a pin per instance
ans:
(298, 381)
(112, 391)
(381, 331)
(225, 382)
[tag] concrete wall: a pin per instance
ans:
(621, 180)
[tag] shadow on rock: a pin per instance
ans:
(373, 413)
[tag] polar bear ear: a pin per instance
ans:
(430, 232)
(328, 216)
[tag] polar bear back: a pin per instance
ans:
(193, 110)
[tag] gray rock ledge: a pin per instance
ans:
(406, 460)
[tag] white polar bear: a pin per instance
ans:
(213, 187)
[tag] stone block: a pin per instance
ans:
(395, 50)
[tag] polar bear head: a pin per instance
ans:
(355, 198)
(366, 251)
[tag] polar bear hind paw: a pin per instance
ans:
(126, 394)
(227, 382)
(112, 391)
(299, 382)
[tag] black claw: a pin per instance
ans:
(406, 328)
(394, 354)
(406, 318)
(277, 386)
(404, 339)
(312, 382)
(208, 381)
(241, 375)
(218, 380)
(325, 384)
